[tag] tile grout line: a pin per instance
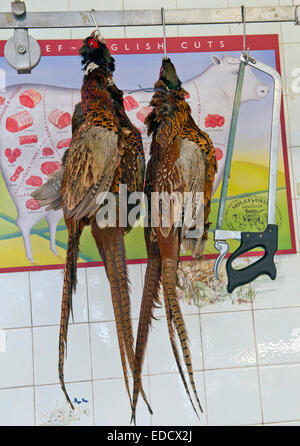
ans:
(257, 364)
(149, 393)
(161, 317)
(146, 353)
(204, 380)
(285, 99)
(297, 364)
(77, 381)
(69, 7)
(287, 119)
(291, 172)
(124, 27)
(32, 348)
(283, 66)
(296, 224)
(293, 307)
(26, 386)
(90, 342)
(256, 309)
(225, 311)
(177, 26)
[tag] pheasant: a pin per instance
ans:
(106, 150)
(182, 159)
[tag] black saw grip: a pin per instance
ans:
(268, 240)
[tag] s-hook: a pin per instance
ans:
(164, 31)
(96, 25)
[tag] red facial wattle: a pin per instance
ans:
(92, 43)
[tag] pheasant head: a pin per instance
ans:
(95, 51)
(168, 75)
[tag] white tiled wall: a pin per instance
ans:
(246, 357)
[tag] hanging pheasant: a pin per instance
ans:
(106, 150)
(182, 160)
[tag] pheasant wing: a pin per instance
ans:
(191, 164)
(49, 193)
(92, 159)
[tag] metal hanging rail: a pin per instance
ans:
(23, 53)
(148, 17)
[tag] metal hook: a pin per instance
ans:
(164, 31)
(297, 15)
(96, 24)
(244, 33)
(244, 28)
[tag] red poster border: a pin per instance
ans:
(175, 45)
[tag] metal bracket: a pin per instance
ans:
(18, 8)
(21, 20)
(297, 15)
(22, 51)
(147, 17)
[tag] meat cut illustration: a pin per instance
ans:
(8, 154)
(219, 153)
(28, 139)
(214, 121)
(19, 121)
(63, 143)
(59, 118)
(50, 167)
(32, 204)
(37, 118)
(30, 98)
(47, 151)
(130, 103)
(16, 174)
(34, 181)
(35, 131)
(16, 153)
(12, 155)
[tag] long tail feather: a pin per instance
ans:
(169, 273)
(149, 299)
(116, 307)
(70, 280)
(169, 249)
(175, 350)
(113, 245)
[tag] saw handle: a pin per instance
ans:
(268, 240)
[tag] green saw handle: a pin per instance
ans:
(268, 240)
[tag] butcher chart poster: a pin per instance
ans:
(35, 130)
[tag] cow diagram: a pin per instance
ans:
(35, 131)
